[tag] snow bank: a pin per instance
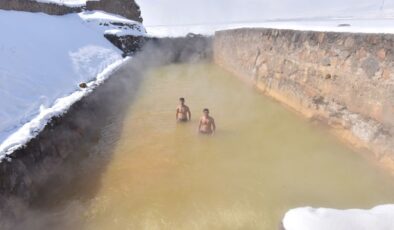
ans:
(379, 218)
(42, 61)
(70, 3)
(385, 25)
(107, 23)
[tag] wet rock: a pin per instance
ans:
(83, 85)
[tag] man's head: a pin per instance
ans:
(206, 112)
(182, 100)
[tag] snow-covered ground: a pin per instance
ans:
(373, 17)
(378, 218)
(43, 59)
(352, 25)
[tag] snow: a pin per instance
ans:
(366, 17)
(42, 63)
(385, 25)
(107, 23)
(379, 218)
(70, 3)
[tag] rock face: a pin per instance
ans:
(125, 8)
(344, 80)
(33, 6)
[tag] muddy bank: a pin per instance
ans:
(344, 80)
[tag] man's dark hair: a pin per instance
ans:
(206, 110)
(182, 99)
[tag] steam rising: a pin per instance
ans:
(60, 199)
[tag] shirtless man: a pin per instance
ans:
(207, 124)
(183, 113)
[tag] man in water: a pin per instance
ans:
(183, 113)
(207, 124)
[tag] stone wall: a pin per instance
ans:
(126, 8)
(33, 6)
(344, 80)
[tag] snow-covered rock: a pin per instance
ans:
(107, 23)
(70, 3)
(43, 59)
(378, 218)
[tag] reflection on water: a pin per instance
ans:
(262, 161)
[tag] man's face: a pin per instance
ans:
(182, 102)
(206, 113)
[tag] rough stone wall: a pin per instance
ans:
(344, 80)
(126, 8)
(33, 6)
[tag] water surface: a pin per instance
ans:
(262, 161)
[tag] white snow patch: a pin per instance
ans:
(60, 106)
(112, 24)
(379, 218)
(70, 3)
(42, 63)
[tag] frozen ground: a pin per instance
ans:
(373, 17)
(43, 60)
(378, 218)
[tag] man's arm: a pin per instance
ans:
(199, 126)
(176, 114)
